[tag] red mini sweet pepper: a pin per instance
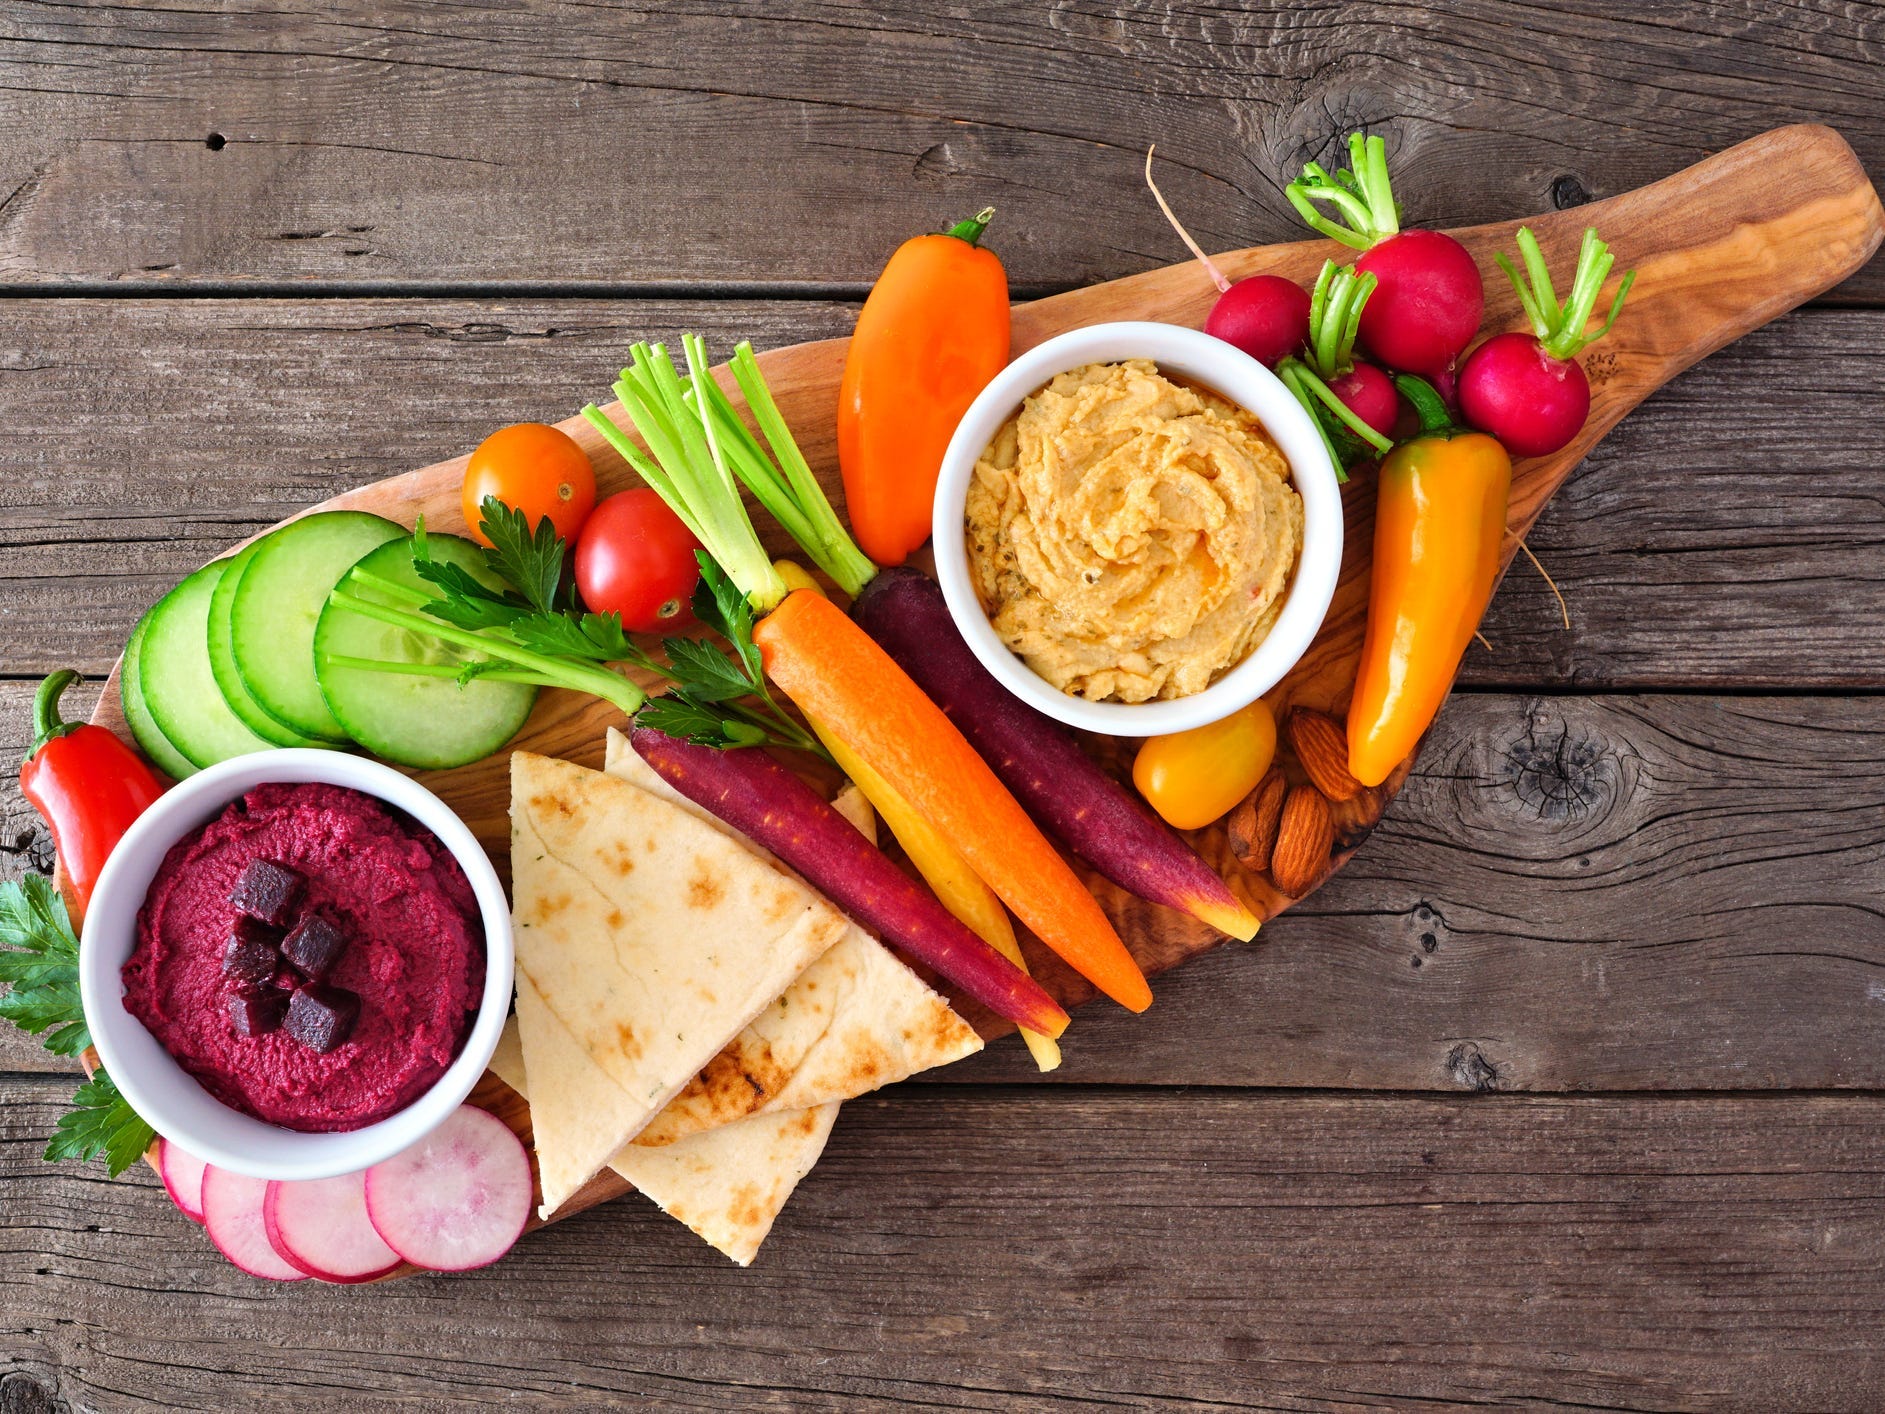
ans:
(86, 784)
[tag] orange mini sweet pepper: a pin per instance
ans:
(929, 338)
(1439, 519)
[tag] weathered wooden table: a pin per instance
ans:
(1568, 1091)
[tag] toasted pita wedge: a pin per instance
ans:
(727, 1184)
(646, 940)
(856, 1019)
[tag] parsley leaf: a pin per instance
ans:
(719, 604)
(698, 723)
(101, 1121)
(703, 672)
(531, 562)
(39, 957)
(597, 637)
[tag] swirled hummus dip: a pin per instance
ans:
(1131, 538)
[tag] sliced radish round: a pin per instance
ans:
(183, 1178)
(232, 1213)
(458, 1198)
(321, 1227)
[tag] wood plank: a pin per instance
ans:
(1731, 515)
(968, 1249)
(552, 142)
(1668, 893)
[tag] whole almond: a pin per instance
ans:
(1321, 745)
(1304, 836)
(1252, 825)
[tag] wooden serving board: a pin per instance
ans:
(1719, 249)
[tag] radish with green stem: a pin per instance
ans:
(1265, 315)
(1429, 297)
(1353, 404)
(1528, 389)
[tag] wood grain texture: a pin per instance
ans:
(696, 142)
(966, 1249)
(1618, 893)
(1735, 509)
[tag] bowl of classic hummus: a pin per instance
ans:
(1138, 529)
(296, 964)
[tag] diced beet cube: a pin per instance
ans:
(253, 930)
(314, 945)
(257, 1015)
(250, 965)
(321, 1017)
(268, 891)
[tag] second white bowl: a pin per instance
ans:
(167, 1096)
(1234, 376)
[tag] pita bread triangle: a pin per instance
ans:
(646, 940)
(727, 1184)
(857, 1019)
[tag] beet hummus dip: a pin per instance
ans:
(413, 956)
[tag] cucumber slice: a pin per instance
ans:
(278, 602)
(222, 659)
(137, 713)
(179, 689)
(429, 722)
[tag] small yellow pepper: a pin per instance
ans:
(1439, 519)
(1193, 777)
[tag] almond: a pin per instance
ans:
(1304, 836)
(1252, 825)
(1321, 745)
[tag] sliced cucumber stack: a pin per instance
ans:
(178, 687)
(277, 604)
(422, 717)
(222, 658)
(137, 712)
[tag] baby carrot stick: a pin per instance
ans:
(840, 678)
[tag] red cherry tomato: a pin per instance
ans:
(536, 469)
(635, 558)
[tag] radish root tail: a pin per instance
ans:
(1217, 276)
(1564, 609)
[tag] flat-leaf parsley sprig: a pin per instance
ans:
(39, 956)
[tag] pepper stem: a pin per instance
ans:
(1360, 194)
(971, 229)
(1560, 327)
(47, 724)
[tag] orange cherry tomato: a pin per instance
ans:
(534, 468)
(1192, 778)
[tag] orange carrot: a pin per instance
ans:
(838, 676)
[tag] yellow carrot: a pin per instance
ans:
(961, 890)
(836, 674)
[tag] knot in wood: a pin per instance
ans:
(1558, 771)
(1470, 1069)
(22, 1394)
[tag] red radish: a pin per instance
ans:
(1040, 761)
(321, 1227)
(1265, 315)
(1427, 304)
(759, 797)
(182, 1173)
(232, 1214)
(1354, 405)
(1528, 389)
(458, 1198)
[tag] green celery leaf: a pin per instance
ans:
(599, 638)
(101, 1121)
(531, 562)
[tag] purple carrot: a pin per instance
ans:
(762, 799)
(1039, 760)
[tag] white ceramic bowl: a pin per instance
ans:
(159, 1089)
(1233, 375)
